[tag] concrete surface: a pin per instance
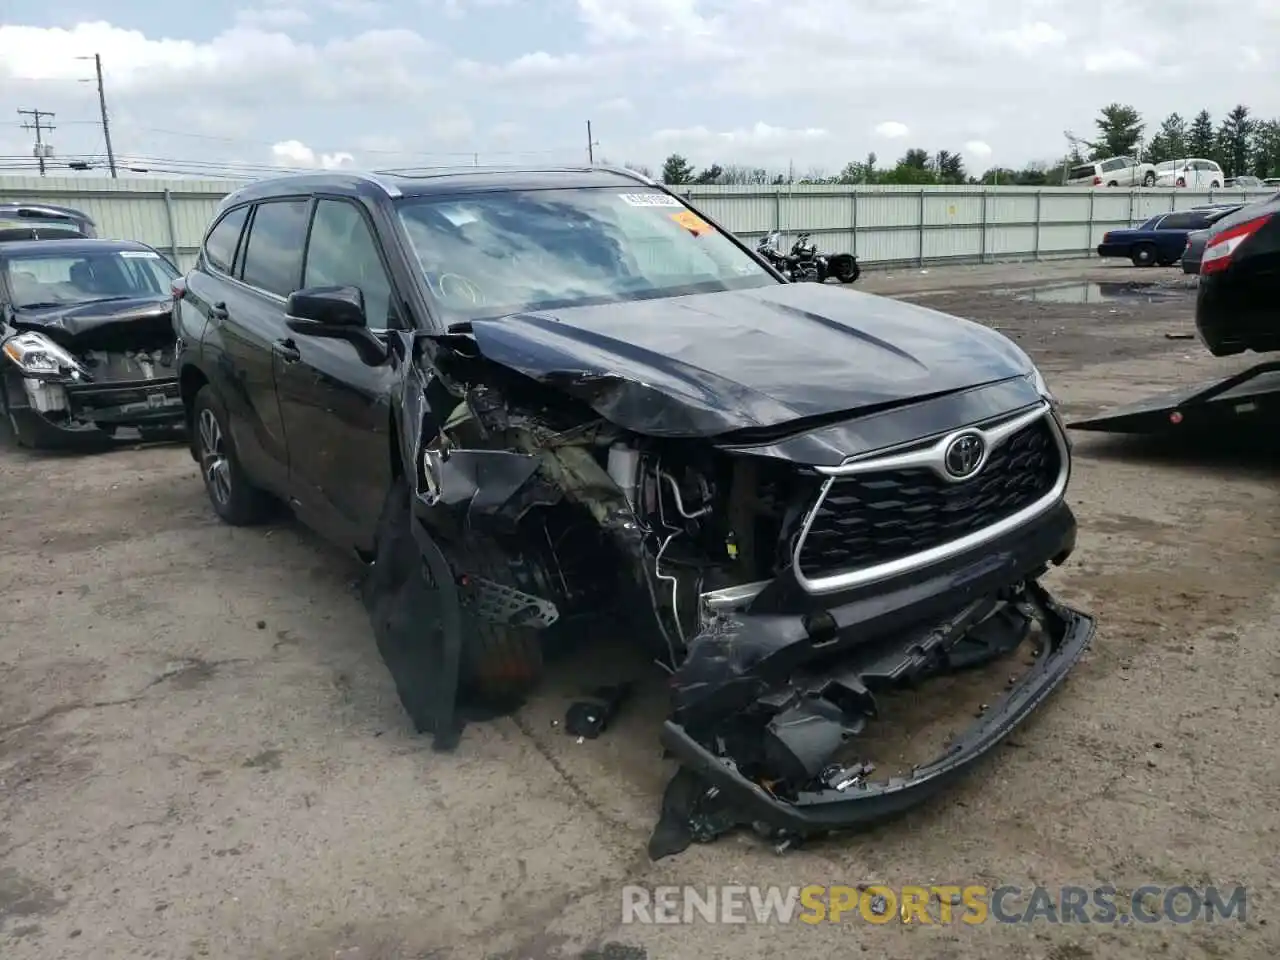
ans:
(201, 754)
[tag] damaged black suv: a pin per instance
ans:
(532, 399)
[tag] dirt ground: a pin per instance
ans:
(201, 754)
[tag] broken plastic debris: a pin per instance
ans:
(589, 718)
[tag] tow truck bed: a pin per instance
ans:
(1214, 403)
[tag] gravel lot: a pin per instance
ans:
(201, 754)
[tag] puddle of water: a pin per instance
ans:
(1099, 292)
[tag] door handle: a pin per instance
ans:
(287, 350)
(218, 311)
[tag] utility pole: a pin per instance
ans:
(42, 150)
(591, 146)
(102, 107)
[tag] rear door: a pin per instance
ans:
(336, 407)
(217, 312)
(248, 319)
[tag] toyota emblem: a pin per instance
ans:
(964, 455)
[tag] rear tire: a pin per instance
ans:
(233, 496)
(1149, 180)
(1143, 255)
(845, 268)
(1215, 185)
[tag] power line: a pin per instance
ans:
(41, 151)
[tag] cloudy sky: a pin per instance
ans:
(380, 83)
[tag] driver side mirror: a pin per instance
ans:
(335, 313)
(325, 307)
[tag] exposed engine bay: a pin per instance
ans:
(98, 381)
(552, 521)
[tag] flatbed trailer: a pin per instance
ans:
(1215, 404)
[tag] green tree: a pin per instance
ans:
(1235, 141)
(1169, 142)
(905, 174)
(676, 169)
(712, 174)
(855, 172)
(949, 167)
(1119, 130)
(915, 158)
(1266, 149)
(1200, 138)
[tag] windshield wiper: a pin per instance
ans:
(39, 305)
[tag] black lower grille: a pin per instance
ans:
(875, 518)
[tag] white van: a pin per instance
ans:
(1195, 173)
(1116, 172)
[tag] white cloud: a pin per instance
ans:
(1115, 60)
(892, 130)
(817, 82)
(272, 18)
(977, 149)
(630, 20)
(292, 153)
(1030, 38)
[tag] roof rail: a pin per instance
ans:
(626, 172)
(390, 189)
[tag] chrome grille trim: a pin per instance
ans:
(931, 457)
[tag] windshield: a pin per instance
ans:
(58, 278)
(494, 254)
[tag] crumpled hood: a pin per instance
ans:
(714, 363)
(65, 323)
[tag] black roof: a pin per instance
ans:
(436, 181)
(71, 246)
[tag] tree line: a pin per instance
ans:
(1240, 143)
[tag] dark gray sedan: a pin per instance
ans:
(1194, 251)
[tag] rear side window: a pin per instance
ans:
(273, 257)
(220, 247)
(1183, 221)
(1079, 173)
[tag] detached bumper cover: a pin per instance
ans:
(771, 700)
(138, 403)
(1066, 633)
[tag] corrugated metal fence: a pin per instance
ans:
(882, 225)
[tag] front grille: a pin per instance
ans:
(874, 518)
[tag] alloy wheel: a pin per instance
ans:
(213, 458)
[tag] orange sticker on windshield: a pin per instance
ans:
(691, 222)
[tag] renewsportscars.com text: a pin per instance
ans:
(932, 904)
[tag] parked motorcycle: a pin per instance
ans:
(805, 264)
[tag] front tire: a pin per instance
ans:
(1215, 185)
(234, 498)
(1143, 255)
